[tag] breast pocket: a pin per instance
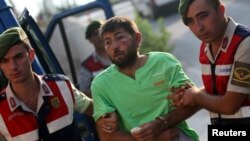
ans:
(160, 82)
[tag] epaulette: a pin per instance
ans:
(55, 77)
(242, 30)
(2, 96)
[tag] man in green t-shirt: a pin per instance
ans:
(133, 91)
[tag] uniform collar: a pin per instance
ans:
(226, 39)
(228, 34)
(13, 100)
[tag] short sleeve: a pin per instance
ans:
(179, 77)
(81, 100)
(240, 75)
(101, 102)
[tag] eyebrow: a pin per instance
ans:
(201, 13)
(119, 32)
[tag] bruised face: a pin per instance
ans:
(206, 21)
(122, 47)
(16, 64)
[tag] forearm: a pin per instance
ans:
(118, 135)
(199, 97)
(226, 104)
(208, 102)
(180, 114)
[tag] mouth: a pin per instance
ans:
(205, 35)
(15, 75)
(118, 54)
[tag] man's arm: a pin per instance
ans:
(117, 135)
(89, 110)
(155, 130)
(226, 104)
(178, 115)
(164, 128)
(83, 104)
(236, 93)
(182, 113)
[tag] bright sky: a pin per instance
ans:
(33, 5)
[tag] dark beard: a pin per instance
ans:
(130, 57)
(129, 60)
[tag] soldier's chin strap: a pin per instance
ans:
(43, 132)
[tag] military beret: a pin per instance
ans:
(183, 8)
(9, 38)
(92, 27)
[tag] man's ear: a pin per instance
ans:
(222, 9)
(138, 37)
(32, 55)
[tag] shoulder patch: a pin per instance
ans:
(55, 77)
(241, 74)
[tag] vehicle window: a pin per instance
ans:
(78, 47)
(42, 53)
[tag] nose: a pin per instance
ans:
(199, 26)
(12, 64)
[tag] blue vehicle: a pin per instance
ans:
(56, 49)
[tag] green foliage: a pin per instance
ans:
(151, 40)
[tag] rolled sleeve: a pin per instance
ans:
(81, 100)
(179, 76)
(101, 103)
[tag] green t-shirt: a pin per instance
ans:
(142, 99)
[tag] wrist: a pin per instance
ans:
(196, 96)
(163, 122)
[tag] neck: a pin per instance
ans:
(130, 70)
(25, 86)
(215, 45)
(102, 53)
(28, 91)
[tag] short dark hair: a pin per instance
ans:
(119, 22)
(184, 6)
(94, 25)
